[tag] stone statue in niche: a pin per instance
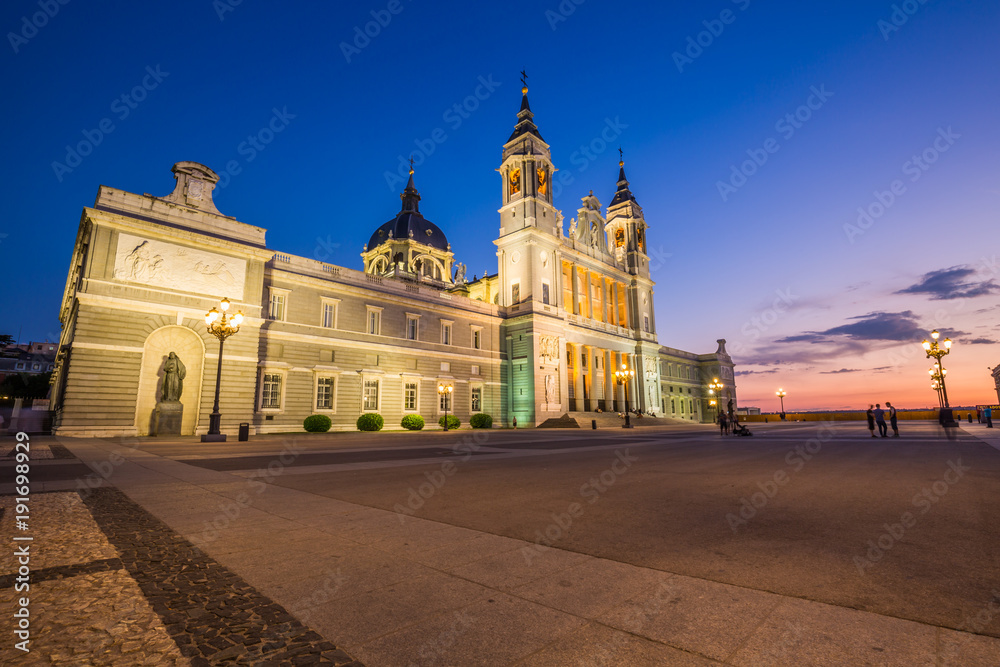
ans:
(550, 389)
(169, 412)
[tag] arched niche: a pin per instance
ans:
(190, 350)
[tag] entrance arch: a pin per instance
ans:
(190, 349)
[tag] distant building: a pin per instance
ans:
(996, 380)
(32, 358)
(746, 412)
(541, 337)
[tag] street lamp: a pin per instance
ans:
(222, 326)
(937, 352)
(444, 390)
(715, 387)
(622, 377)
(781, 393)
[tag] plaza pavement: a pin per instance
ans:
(393, 589)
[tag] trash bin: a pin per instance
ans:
(244, 432)
(593, 424)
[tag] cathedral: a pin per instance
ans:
(409, 334)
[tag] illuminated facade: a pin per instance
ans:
(540, 338)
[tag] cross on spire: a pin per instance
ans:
(621, 156)
(411, 164)
(524, 78)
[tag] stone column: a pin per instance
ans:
(578, 378)
(576, 289)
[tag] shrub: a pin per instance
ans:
(481, 420)
(317, 424)
(370, 421)
(453, 421)
(412, 422)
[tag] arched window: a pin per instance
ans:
(673, 407)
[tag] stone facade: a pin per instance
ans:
(541, 337)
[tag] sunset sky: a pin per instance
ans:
(821, 179)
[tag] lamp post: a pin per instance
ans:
(222, 326)
(622, 377)
(937, 352)
(715, 387)
(937, 381)
(781, 393)
(444, 390)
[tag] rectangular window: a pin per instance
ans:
(277, 310)
(645, 323)
(371, 395)
(271, 395)
(477, 339)
(19, 366)
(446, 334)
(410, 396)
(411, 328)
(374, 322)
(475, 370)
(515, 293)
(477, 399)
(324, 393)
(545, 293)
(446, 365)
(329, 314)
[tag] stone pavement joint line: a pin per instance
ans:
(212, 614)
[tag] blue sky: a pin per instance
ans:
(777, 261)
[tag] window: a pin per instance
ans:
(446, 333)
(515, 293)
(374, 324)
(370, 398)
(691, 407)
(477, 339)
(411, 327)
(673, 407)
(324, 393)
(410, 396)
(329, 319)
(270, 398)
(477, 399)
(277, 305)
(645, 323)
(474, 371)
(545, 293)
(19, 366)
(446, 365)
(36, 367)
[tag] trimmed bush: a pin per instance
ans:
(370, 421)
(453, 421)
(317, 424)
(481, 420)
(412, 422)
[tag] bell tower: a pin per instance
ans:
(526, 176)
(626, 227)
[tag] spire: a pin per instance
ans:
(524, 123)
(623, 193)
(410, 195)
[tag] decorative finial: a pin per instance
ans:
(524, 83)
(621, 157)
(411, 164)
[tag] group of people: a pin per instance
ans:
(876, 417)
(731, 424)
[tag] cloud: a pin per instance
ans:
(842, 370)
(951, 283)
(768, 372)
(876, 326)
(976, 341)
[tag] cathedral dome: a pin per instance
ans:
(410, 225)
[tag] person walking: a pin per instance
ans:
(723, 424)
(871, 419)
(893, 419)
(988, 413)
(880, 420)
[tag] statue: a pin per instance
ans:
(572, 228)
(460, 274)
(173, 378)
(550, 389)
